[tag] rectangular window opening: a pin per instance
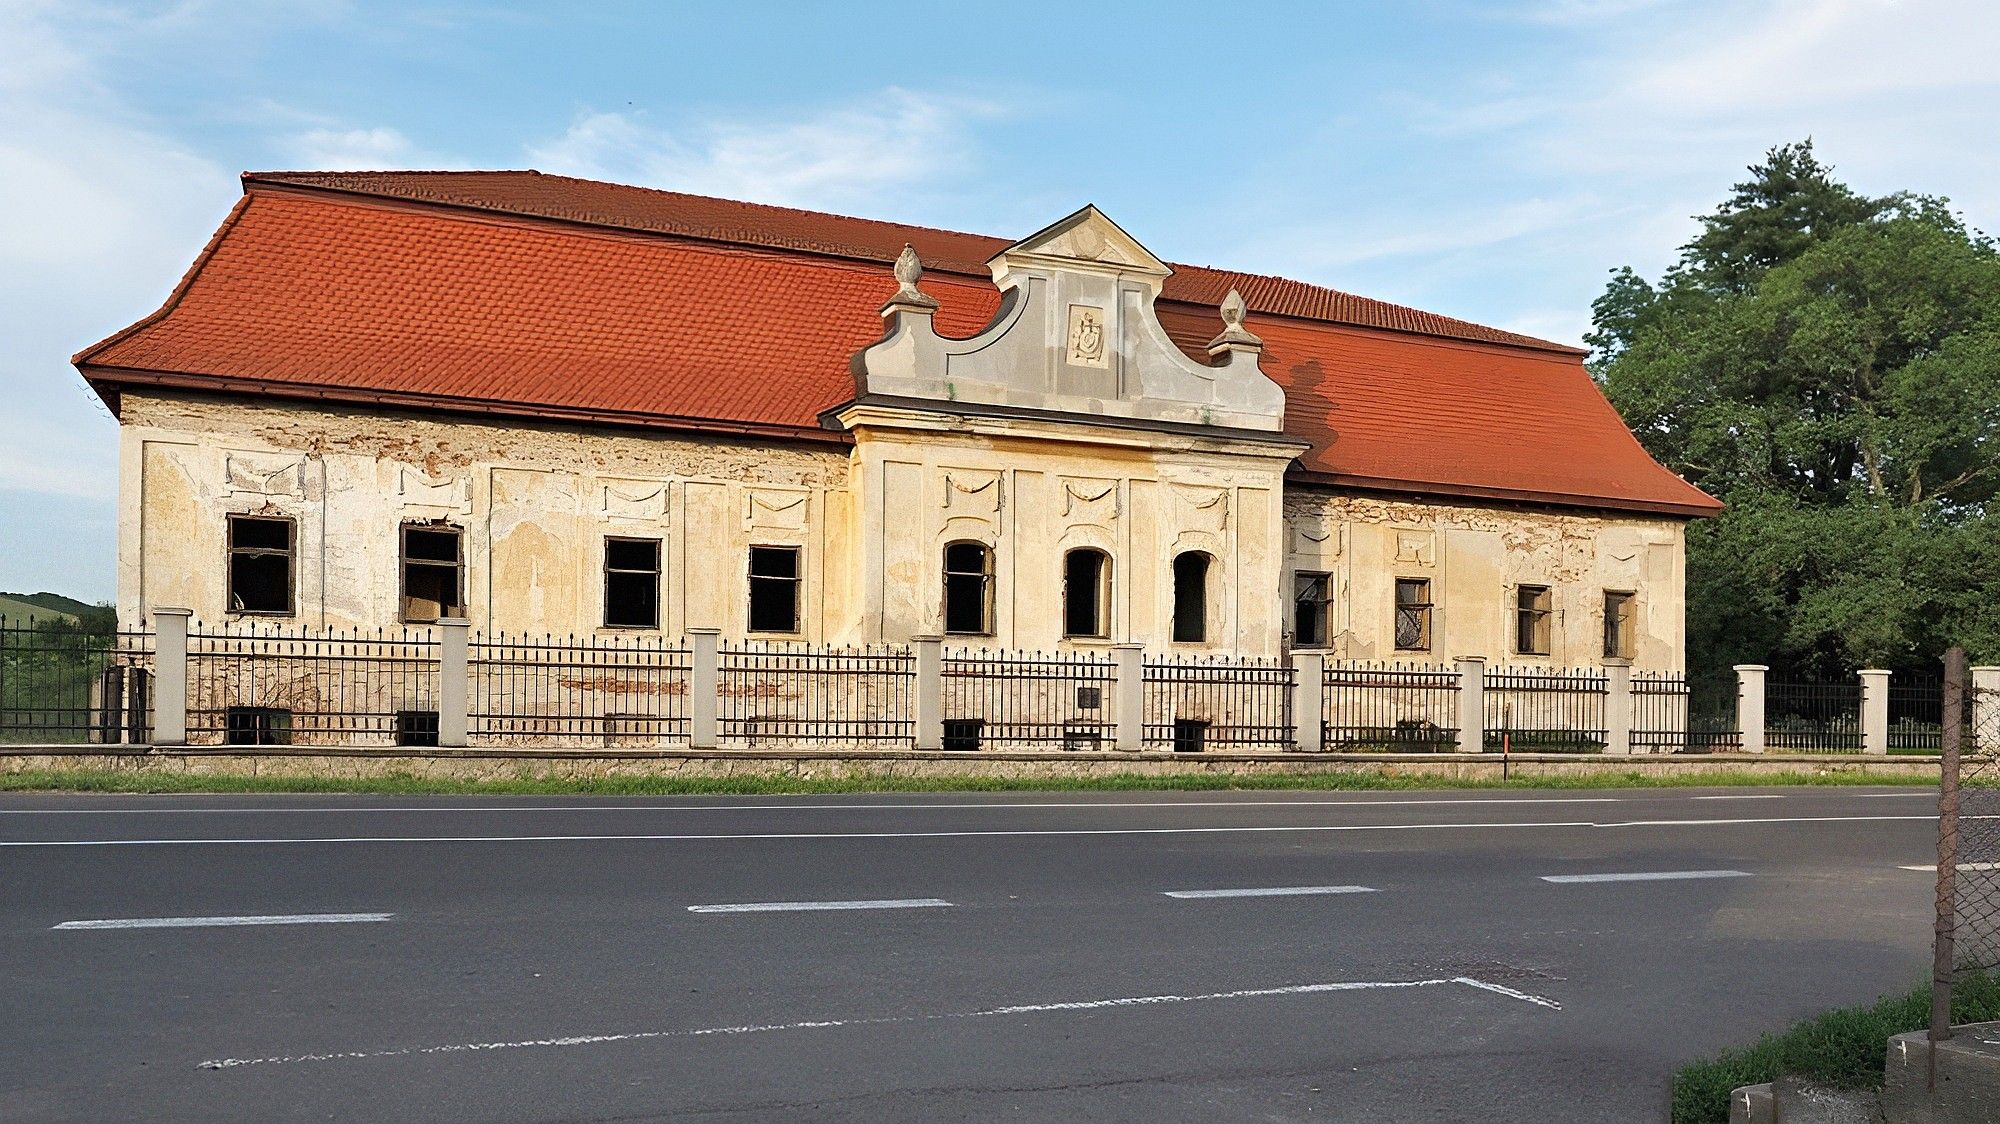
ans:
(1086, 591)
(416, 727)
(1532, 612)
(257, 725)
(631, 583)
(774, 589)
(1082, 738)
(1190, 735)
(1312, 610)
(1619, 638)
(433, 572)
(261, 550)
(968, 589)
(961, 735)
(1413, 614)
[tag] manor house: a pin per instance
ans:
(553, 405)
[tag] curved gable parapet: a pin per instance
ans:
(1076, 333)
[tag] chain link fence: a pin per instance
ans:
(1968, 865)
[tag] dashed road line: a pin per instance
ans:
(226, 922)
(788, 907)
(1646, 876)
(1270, 892)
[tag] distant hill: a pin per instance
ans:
(26, 607)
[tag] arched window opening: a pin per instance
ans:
(968, 589)
(1191, 597)
(1087, 594)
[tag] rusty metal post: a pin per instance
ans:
(1955, 675)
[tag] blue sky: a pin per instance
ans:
(1486, 160)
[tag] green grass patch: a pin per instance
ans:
(153, 780)
(1845, 1048)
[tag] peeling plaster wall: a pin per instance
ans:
(535, 504)
(1475, 557)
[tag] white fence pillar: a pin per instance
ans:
(453, 681)
(929, 703)
(1750, 705)
(1618, 705)
(1982, 733)
(1309, 701)
(170, 676)
(1471, 704)
(1874, 711)
(1128, 693)
(702, 683)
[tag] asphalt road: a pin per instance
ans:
(1044, 958)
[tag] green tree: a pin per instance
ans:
(1828, 365)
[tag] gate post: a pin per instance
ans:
(170, 679)
(702, 680)
(452, 682)
(930, 691)
(1309, 701)
(1985, 721)
(1618, 705)
(1128, 690)
(1471, 704)
(1874, 711)
(1750, 705)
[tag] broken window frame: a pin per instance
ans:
(1100, 594)
(1191, 571)
(1620, 614)
(456, 608)
(959, 579)
(613, 573)
(793, 586)
(1534, 612)
(1312, 600)
(289, 553)
(1418, 608)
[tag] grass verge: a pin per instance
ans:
(1845, 1048)
(405, 784)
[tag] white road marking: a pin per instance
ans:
(785, 907)
(1878, 795)
(416, 809)
(1759, 796)
(1961, 866)
(972, 834)
(216, 922)
(1647, 876)
(1269, 892)
(823, 1024)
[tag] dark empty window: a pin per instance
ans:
(260, 565)
(1190, 735)
(1413, 614)
(968, 588)
(1312, 610)
(433, 572)
(1191, 597)
(961, 735)
(631, 583)
(1086, 594)
(1618, 632)
(1532, 604)
(417, 727)
(257, 725)
(774, 589)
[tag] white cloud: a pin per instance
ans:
(832, 158)
(332, 150)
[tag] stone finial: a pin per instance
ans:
(909, 270)
(1234, 336)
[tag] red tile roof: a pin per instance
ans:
(516, 292)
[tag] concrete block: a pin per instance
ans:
(1795, 1100)
(1968, 1077)
(1751, 1104)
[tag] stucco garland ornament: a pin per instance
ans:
(910, 270)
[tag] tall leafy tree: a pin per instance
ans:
(1827, 364)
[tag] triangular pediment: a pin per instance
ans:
(1086, 240)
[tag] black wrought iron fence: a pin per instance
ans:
(1812, 716)
(776, 694)
(608, 690)
(1026, 700)
(255, 685)
(1390, 707)
(1916, 711)
(1194, 703)
(1559, 710)
(59, 684)
(1660, 712)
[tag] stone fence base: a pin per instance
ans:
(586, 763)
